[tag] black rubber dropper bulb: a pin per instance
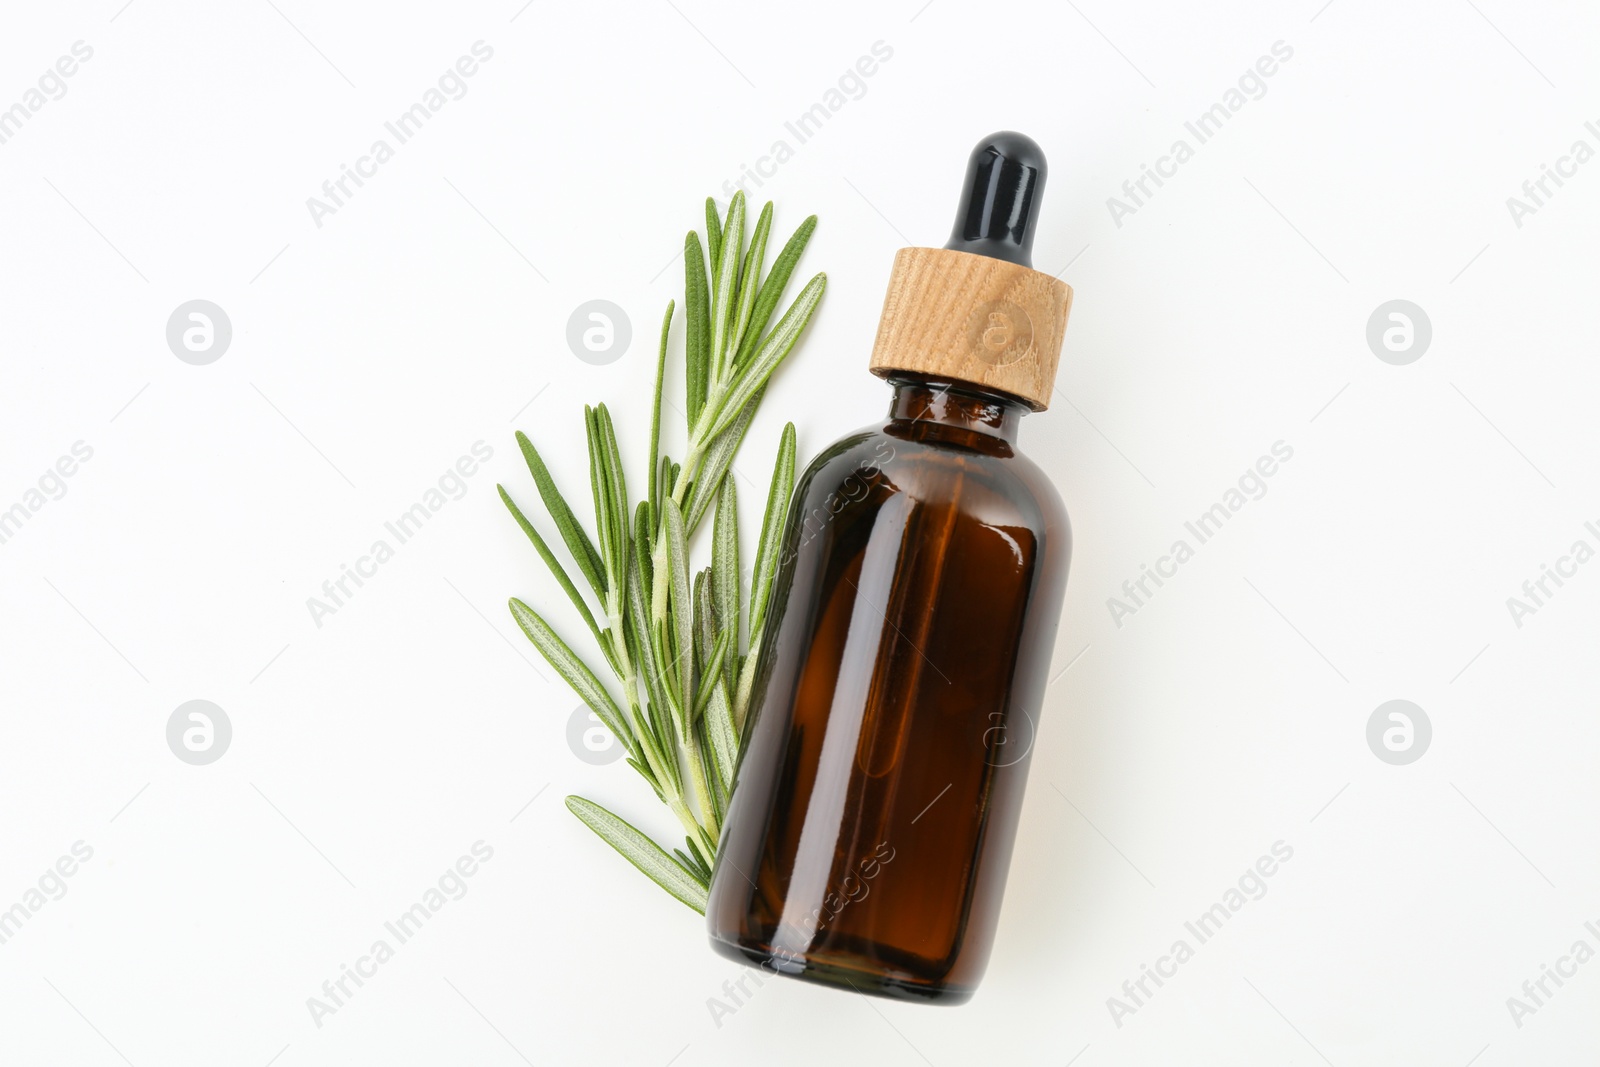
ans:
(1005, 181)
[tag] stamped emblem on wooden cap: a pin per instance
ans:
(1000, 333)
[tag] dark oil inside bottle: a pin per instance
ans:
(889, 738)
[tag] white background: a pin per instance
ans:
(430, 312)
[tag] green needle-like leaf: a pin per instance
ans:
(748, 282)
(705, 622)
(658, 725)
(692, 860)
(642, 852)
(725, 557)
(713, 230)
(725, 283)
(777, 345)
(603, 526)
(664, 485)
(721, 733)
(551, 562)
(574, 670)
(667, 675)
(697, 326)
(744, 688)
(655, 406)
(772, 288)
(617, 489)
(711, 680)
(681, 611)
(636, 625)
(716, 793)
(771, 543)
(639, 577)
(572, 534)
(700, 858)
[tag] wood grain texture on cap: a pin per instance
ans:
(974, 319)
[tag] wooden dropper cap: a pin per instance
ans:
(975, 310)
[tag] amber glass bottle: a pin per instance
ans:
(925, 558)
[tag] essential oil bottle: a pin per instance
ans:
(924, 563)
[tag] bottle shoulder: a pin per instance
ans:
(893, 458)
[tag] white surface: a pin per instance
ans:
(425, 314)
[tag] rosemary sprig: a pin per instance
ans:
(671, 638)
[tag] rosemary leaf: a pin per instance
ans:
(642, 852)
(655, 406)
(617, 495)
(713, 229)
(667, 676)
(720, 731)
(726, 284)
(725, 557)
(768, 548)
(682, 606)
(574, 670)
(551, 562)
(700, 858)
(716, 791)
(705, 621)
(572, 533)
(772, 288)
(663, 486)
(693, 867)
(712, 678)
(745, 686)
(599, 485)
(697, 326)
(753, 375)
(748, 282)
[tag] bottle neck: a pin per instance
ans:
(960, 405)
